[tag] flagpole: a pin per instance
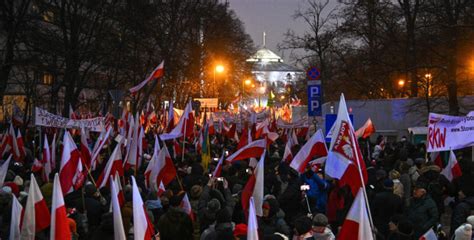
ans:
(351, 132)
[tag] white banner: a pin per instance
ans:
(47, 119)
(449, 132)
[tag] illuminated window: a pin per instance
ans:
(47, 79)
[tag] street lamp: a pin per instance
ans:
(219, 69)
(261, 91)
(428, 83)
(401, 83)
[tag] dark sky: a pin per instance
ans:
(272, 16)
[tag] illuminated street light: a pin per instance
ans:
(219, 68)
(401, 83)
(428, 83)
(282, 97)
(247, 82)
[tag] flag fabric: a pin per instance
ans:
(119, 232)
(186, 206)
(184, 127)
(113, 166)
(4, 170)
(98, 147)
(161, 189)
(157, 73)
(36, 216)
(252, 224)
(15, 219)
(205, 148)
(366, 130)
(344, 161)
(21, 145)
(253, 149)
(71, 167)
(244, 138)
(170, 123)
(314, 148)
(452, 169)
(429, 235)
(356, 226)
(59, 223)
(46, 159)
(85, 151)
(142, 227)
(254, 188)
(160, 169)
(53, 152)
(14, 144)
(218, 170)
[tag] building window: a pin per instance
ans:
(47, 79)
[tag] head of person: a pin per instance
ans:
(320, 222)
(303, 225)
(420, 189)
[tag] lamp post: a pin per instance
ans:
(220, 69)
(428, 83)
(401, 84)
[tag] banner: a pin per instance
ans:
(47, 119)
(449, 132)
(302, 123)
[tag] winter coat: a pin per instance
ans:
(385, 205)
(325, 235)
(406, 182)
(318, 191)
(217, 231)
(460, 212)
(274, 224)
(175, 224)
(423, 214)
(290, 200)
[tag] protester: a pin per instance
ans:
(422, 212)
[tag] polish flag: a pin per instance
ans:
(244, 138)
(131, 129)
(344, 161)
(4, 170)
(212, 128)
(151, 164)
(252, 224)
(85, 151)
(15, 221)
(160, 169)
(37, 167)
(158, 72)
(184, 127)
(5, 145)
(36, 216)
(218, 170)
(59, 223)
(53, 152)
(314, 148)
(287, 155)
(21, 145)
(113, 166)
(437, 159)
(356, 226)
(186, 206)
(46, 159)
(452, 170)
(141, 143)
(170, 123)
(253, 149)
(14, 144)
(71, 167)
(366, 130)
(230, 133)
(119, 232)
(161, 189)
(254, 188)
(430, 235)
(142, 227)
(99, 146)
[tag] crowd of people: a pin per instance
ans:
(406, 191)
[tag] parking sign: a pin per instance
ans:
(314, 98)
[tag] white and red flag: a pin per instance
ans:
(21, 145)
(85, 150)
(59, 223)
(429, 235)
(452, 170)
(53, 152)
(218, 170)
(313, 149)
(142, 227)
(103, 138)
(70, 172)
(15, 221)
(161, 189)
(185, 126)
(344, 161)
(366, 130)
(4, 170)
(14, 144)
(170, 122)
(186, 206)
(252, 224)
(160, 169)
(254, 188)
(356, 226)
(119, 232)
(46, 159)
(157, 73)
(113, 166)
(36, 216)
(251, 150)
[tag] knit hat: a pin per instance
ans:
(303, 225)
(463, 232)
(388, 183)
(421, 184)
(214, 205)
(470, 220)
(240, 230)
(18, 181)
(320, 220)
(223, 216)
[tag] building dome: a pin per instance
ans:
(265, 55)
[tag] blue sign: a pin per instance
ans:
(313, 73)
(314, 98)
(329, 121)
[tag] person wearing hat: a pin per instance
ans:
(175, 223)
(321, 231)
(400, 229)
(463, 208)
(273, 220)
(240, 231)
(303, 227)
(422, 213)
(385, 205)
